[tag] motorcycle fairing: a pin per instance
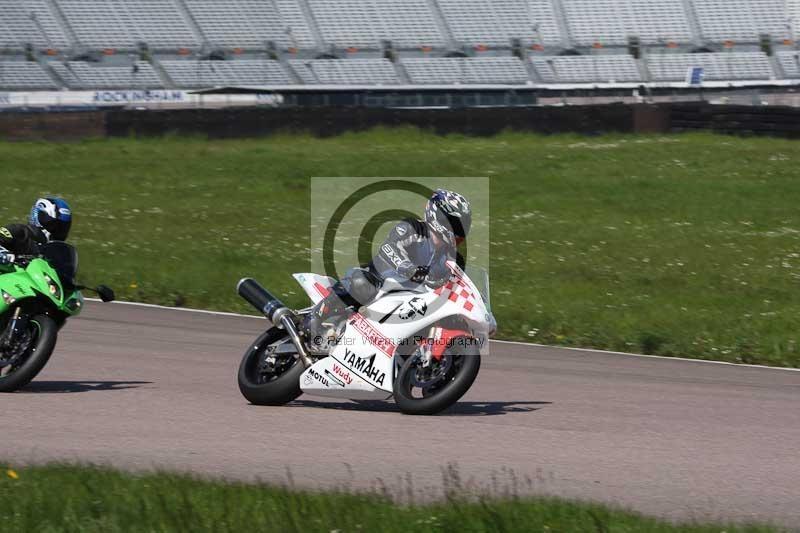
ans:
(316, 286)
(330, 377)
(390, 313)
(17, 285)
(30, 282)
(365, 352)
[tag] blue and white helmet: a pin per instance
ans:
(449, 214)
(53, 216)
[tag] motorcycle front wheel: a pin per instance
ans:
(31, 358)
(269, 375)
(429, 390)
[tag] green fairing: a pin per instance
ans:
(30, 282)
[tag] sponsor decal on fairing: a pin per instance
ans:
(312, 375)
(343, 373)
(364, 367)
(372, 335)
(335, 379)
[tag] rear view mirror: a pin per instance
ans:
(105, 293)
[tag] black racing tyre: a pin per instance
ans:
(46, 332)
(262, 387)
(465, 360)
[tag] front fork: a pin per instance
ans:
(426, 350)
(8, 334)
(16, 325)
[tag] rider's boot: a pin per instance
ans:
(320, 324)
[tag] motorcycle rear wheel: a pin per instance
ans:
(262, 387)
(465, 361)
(38, 353)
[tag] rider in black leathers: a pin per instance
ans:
(415, 251)
(50, 220)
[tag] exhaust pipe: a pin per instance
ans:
(261, 299)
(275, 311)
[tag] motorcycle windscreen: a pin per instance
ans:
(480, 280)
(64, 260)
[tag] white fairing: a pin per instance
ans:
(362, 364)
(329, 377)
(316, 286)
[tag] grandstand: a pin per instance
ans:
(727, 66)
(82, 75)
(465, 70)
(587, 69)
(345, 71)
(194, 44)
(193, 73)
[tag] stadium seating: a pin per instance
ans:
(790, 63)
(82, 75)
(355, 23)
(250, 23)
(793, 15)
(480, 70)
(410, 24)
(345, 71)
(496, 22)
(24, 75)
(741, 20)
(190, 74)
(587, 69)
(119, 24)
(657, 22)
(280, 42)
(96, 24)
(293, 22)
(611, 22)
(723, 66)
(159, 23)
(31, 21)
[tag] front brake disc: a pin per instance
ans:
(426, 377)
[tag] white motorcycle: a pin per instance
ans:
(416, 343)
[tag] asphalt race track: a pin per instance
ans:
(144, 388)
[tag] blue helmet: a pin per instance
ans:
(53, 217)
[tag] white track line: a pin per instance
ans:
(667, 358)
(185, 309)
(519, 343)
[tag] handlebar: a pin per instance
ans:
(436, 283)
(19, 260)
(24, 260)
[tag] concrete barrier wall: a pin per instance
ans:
(327, 121)
(62, 126)
(736, 120)
(254, 122)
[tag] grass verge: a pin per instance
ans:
(671, 245)
(72, 498)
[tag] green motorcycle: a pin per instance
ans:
(37, 295)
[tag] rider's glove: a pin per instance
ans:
(420, 274)
(438, 276)
(6, 258)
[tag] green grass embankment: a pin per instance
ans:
(673, 245)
